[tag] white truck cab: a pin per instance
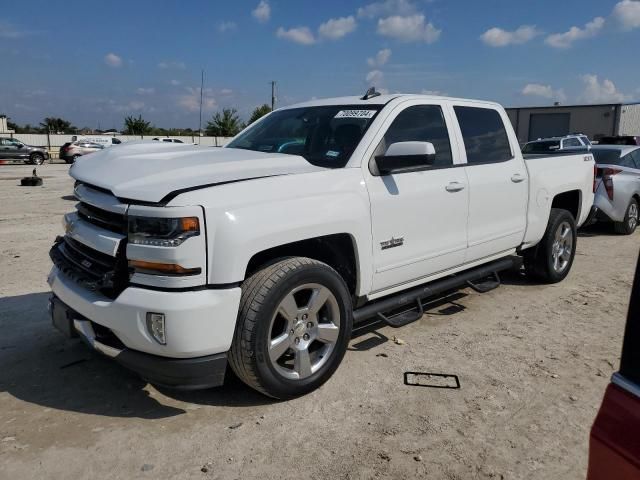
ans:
(262, 254)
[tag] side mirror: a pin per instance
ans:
(405, 157)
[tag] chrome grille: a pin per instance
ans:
(114, 222)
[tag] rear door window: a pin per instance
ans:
(635, 157)
(485, 137)
(571, 142)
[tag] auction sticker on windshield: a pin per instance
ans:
(355, 113)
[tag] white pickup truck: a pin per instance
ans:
(262, 255)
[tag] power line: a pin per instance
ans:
(200, 123)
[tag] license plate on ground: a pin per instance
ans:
(61, 318)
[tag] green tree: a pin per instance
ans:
(259, 112)
(136, 126)
(225, 124)
(57, 125)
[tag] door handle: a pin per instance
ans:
(454, 187)
(517, 178)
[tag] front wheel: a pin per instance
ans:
(294, 325)
(630, 222)
(551, 260)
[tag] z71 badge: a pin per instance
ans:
(394, 242)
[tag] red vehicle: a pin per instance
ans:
(614, 449)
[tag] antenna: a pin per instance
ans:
(371, 92)
(200, 124)
(273, 95)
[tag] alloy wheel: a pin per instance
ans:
(633, 216)
(304, 331)
(562, 247)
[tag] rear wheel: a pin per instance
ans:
(36, 158)
(630, 222)
(293, 327)
(550, 261)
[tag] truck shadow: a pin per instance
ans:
(597, 230)
(442, 305)
(40, 366)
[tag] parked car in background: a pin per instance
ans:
(104, 140)
(12, 149)
(167, 140)
(69, 152)
(546, 145)
(618, 186)
(614, 446)
(620, 140)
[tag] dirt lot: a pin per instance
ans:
(533, 362)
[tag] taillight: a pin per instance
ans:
(607, 173)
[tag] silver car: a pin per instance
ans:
(618, 185)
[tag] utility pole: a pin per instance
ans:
(200, 124)
(273, 95)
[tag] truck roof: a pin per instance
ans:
(380, 100)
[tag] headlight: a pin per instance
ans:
(162, 232)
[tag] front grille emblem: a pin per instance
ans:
(86, 263)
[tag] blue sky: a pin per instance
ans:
(95, 62)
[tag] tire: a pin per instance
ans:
(630, 222)
(551, 260)
(267, 351)
(36, 158)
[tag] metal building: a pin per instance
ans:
(531, 123)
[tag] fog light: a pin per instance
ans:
(155, 326)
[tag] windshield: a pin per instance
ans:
(325, 136)
(607, 157)
(541, 147)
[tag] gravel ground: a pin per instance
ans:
(533, 362)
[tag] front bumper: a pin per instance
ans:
(184, 373)
(197, 322)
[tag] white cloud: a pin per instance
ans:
(627, 14)
(336, 28)
(227, 26)
(133, 106)
(544, 91)
(167, 64)
(566, 39)
(113, 60)
(601, 92)
(191, 100)
(145, 91)
(262, 12)
(497, 37)
(380, 59)
(408, 29)
(374, 78)
(175, 83)
(437, 93)
(226, 91)
(301, 35)
(386, 7)
(10, 31)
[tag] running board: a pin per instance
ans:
(486, 284)
(417, 294)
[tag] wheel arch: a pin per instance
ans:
(570, 201)
(339, 251)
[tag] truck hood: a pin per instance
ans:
(150, 172)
